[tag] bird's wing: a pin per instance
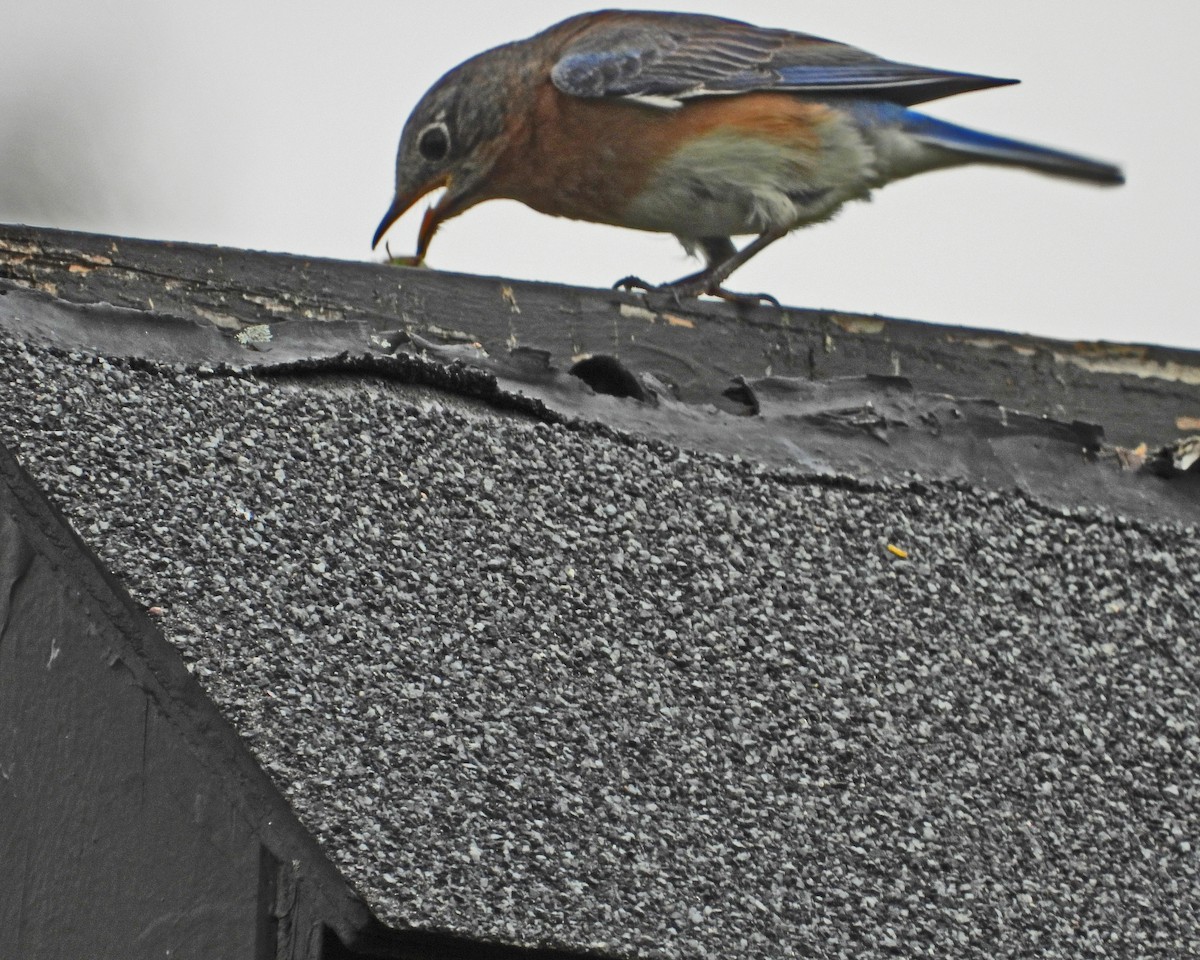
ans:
(668, 58)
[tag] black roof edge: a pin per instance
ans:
(1074, 425)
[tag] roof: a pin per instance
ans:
(544, 681)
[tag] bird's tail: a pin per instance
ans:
(974, 146)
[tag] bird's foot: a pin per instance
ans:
(634, 283)
(730, 296)
(694, 286)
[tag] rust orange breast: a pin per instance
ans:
(587, 159)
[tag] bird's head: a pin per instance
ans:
(451, 140)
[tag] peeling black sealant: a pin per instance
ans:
(309, 307)
(871, 427)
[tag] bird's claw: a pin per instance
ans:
(745, 299)
(690, 288)
(632, 283)
(699, 288)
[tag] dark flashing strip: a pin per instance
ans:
(1137, 392)
(805, 390)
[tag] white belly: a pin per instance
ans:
(729, 184)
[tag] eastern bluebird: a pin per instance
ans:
(693, 125)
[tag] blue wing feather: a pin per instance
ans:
(687, 55)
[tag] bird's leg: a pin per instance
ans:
(723, 258)
(716, 250)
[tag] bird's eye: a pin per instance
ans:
(434, 141)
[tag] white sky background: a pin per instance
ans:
(273, 125)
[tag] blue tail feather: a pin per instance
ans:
(989, 148)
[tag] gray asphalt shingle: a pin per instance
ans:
(552, 685)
